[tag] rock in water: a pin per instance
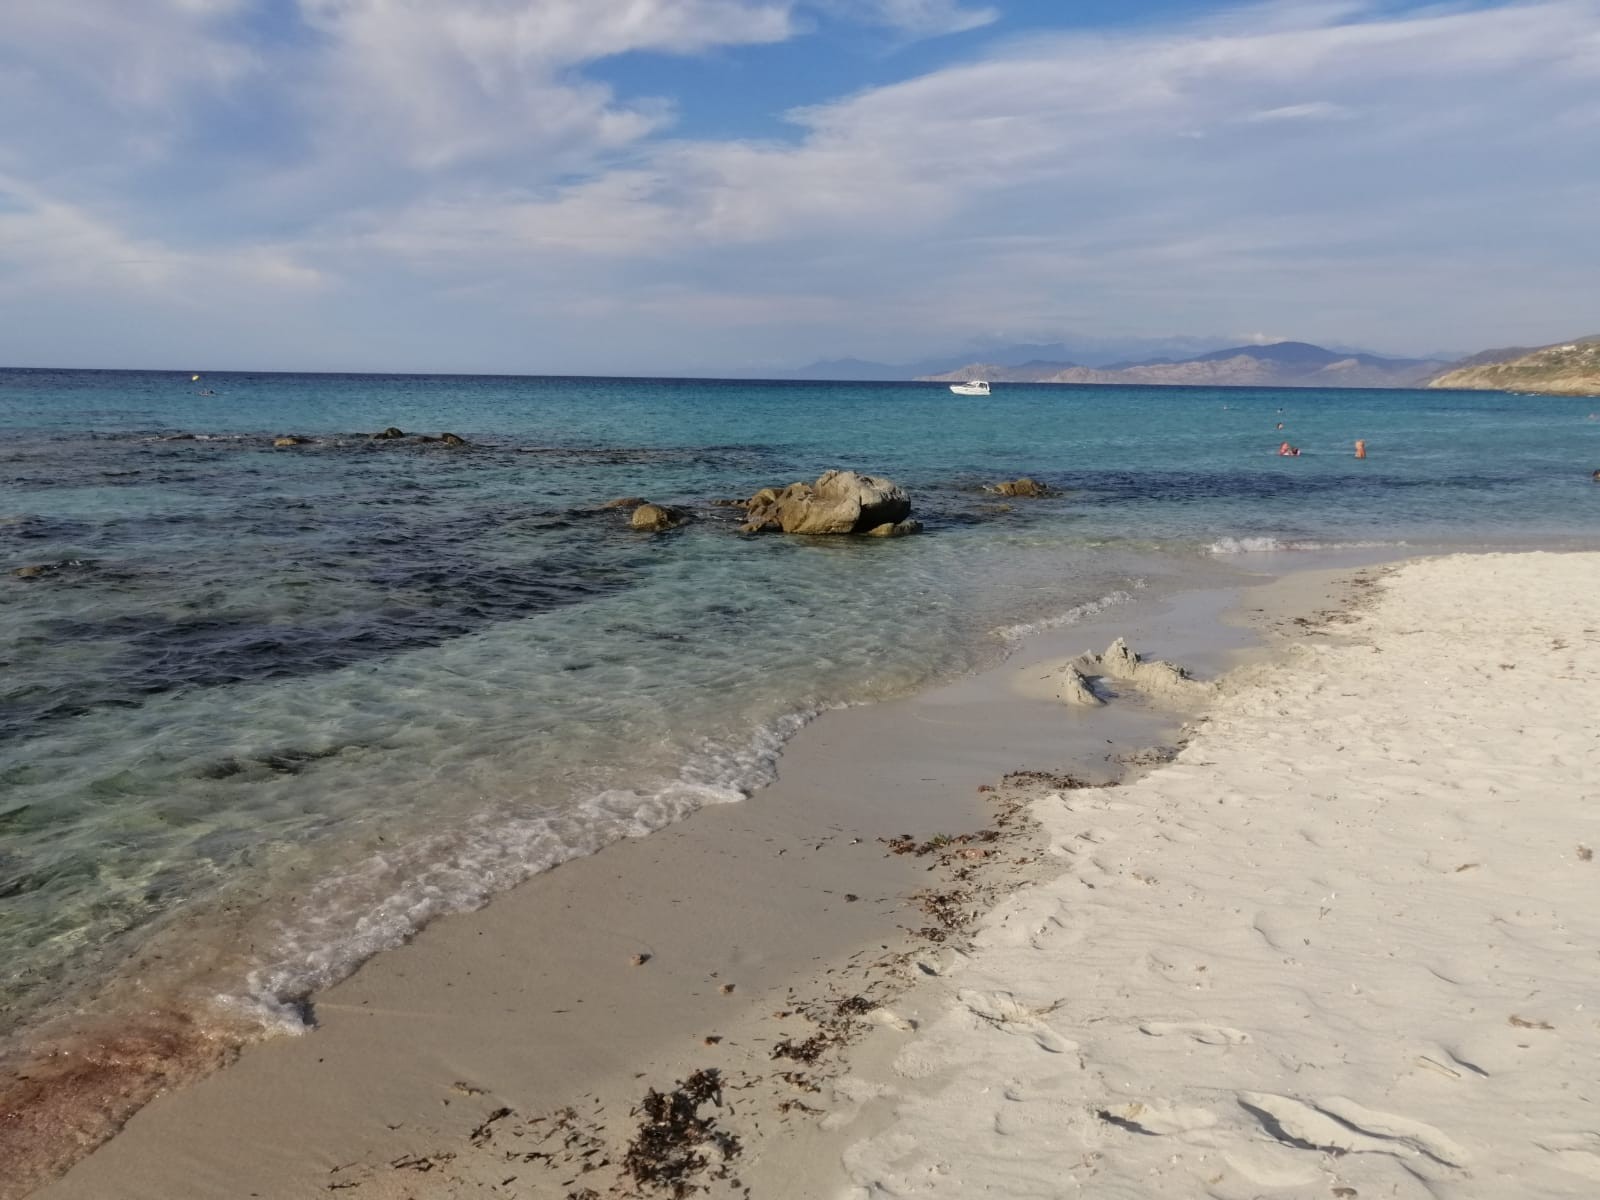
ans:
(452, 439)
(625, 502)
(291, 440)
(1021, 487)
(839, 502)
(897, 529)
(656, 517)
(1072, 687)
(389, 434)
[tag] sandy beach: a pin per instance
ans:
(1344, 945)
(1340, 941)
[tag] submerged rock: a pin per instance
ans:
(389, 434)
(656, 518)
(292, 439)
(1021, 487)
(895, 529)
(45, 570)
(625, 502)
(839, 502)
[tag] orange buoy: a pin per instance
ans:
(1361, 448)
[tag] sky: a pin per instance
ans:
(690, 186)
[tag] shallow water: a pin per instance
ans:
(265, 711)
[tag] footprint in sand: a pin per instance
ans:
(1339, 1124)
(1286, 930)
(1039, 919)
(1155, 1117)
(1006, 1013)
(1198, 1031)
(1501, 1050)
(1575, 1152)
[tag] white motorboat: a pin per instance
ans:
(972, 387)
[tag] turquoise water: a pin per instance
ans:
(267, 710)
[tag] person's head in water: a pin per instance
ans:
(1596, 476)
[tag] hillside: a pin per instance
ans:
(1281, 364)
(1567, 369)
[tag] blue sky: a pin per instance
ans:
(694, 185)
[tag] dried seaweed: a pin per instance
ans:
(674, 1144)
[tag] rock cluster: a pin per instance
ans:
(1021, 487)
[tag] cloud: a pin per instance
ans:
(917, 18)
(1074, 119)
(435, 85)
(48, 244)
(1334, 170)
(1313, 110)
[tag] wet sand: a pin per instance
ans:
(610, 975)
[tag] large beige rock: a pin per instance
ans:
(839, 502)
(655, 518)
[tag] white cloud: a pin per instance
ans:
(436, 84)
(1334, 170)
(918, 18)
(141, 54)
(47, 244)
(1313, 110)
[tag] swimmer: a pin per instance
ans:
(1361, 448)
(1280, 424)
(1288, 451)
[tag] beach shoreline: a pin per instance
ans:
(1342, 945)
(763, 883)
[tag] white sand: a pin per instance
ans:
(1348, 944)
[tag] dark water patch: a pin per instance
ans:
(419, 597)
(1289, 487)
(292, 760)
(34, 527)
(738, 457)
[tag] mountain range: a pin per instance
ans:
(1564, 369)
(1571, 368)
(1278, 364)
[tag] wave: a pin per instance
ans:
(383, 900)
(1079, 612)
(1272, 545)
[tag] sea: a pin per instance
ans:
(267, 710)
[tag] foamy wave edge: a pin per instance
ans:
(337, 929)
(1272, 545)
(1079, 612)
(461, 872)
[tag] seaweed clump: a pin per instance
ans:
(675, 1144)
